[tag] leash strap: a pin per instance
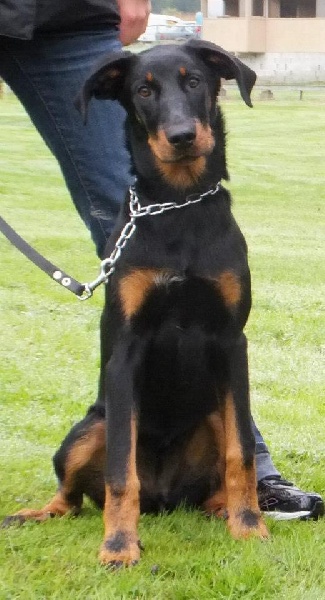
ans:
(107, 267)
(45, 265)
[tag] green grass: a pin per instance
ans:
(49, 367)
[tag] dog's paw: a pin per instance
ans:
(57, 507)
(246, 524)
(22, 516)
(11, 520)
(121, 549)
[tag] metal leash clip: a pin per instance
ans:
(107, 266)
(102, 278)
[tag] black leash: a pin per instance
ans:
(107, 266)
(45, 265)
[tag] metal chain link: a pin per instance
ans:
(136, 210)
(109, 262)
(107, 266)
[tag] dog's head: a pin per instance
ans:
(169, 93)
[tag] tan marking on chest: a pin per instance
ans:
(134, 288)
(229, 286)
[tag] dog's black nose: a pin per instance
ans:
(181, 136)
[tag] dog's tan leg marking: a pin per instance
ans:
(87, 450)
(244, 517)
(121, 515)
(197, 448)
(58, 506)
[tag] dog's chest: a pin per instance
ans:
(153, 297)
(177, 322)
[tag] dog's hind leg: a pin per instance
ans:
(79, 466)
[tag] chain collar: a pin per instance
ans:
(136, 210)
(107, 266)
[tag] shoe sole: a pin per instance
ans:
(302, 515)
(287, 516)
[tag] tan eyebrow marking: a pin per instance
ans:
(149, 76)
(182, 71)
(112, 73)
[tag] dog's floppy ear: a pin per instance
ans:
(226, 65)
(106, 81)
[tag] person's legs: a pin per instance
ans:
(264, 463)
(278, 497)
(46, 74)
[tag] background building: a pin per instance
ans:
(282, 40)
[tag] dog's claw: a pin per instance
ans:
(133, 563)
(12, 520)
(115, 565)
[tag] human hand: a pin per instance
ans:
(134, 18)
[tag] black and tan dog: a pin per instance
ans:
(172, 421)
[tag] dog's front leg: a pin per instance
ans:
(244, 517)
(121, 545)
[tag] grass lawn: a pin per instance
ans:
(49, 366)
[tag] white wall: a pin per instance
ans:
(215, 8)
(320, 8)
(287, 68)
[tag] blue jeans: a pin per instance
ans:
(46, 74)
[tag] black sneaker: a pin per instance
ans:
(283, 501)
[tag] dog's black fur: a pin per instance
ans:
(174, 379)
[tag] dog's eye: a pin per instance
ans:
(144, 91)
(193, 82)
